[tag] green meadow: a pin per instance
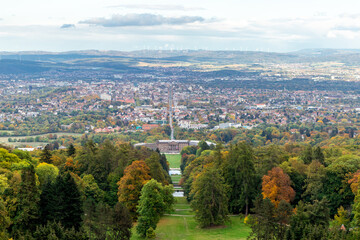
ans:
(174, 160)
(181, 225)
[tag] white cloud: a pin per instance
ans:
(158, 7)
(145, 19)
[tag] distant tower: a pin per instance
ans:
(170, 91)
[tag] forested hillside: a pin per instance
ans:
(84, 192)
(111, 190)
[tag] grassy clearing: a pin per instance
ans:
(185, 227)
(175, 178)
(174, 160)
(181, 203)
(7, 131)
(179, 228)
(34, 144)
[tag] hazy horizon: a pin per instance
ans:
(180, 50)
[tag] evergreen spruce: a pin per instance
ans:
(71, 150)
(46, 154)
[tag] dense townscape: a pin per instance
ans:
(93, 147)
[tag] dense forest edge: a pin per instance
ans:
(111, 190)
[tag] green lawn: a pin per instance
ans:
(185, 227)
(179, 228)
(174, 160)
(175, 178)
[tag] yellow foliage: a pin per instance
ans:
(246, 219)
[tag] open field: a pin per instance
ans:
(174, 160)
(182, 207)
(7, 131)
(185, 228)
(5, 140)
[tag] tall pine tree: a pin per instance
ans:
(210, 201)
(27, 211)
(61, 202)
(45, 155)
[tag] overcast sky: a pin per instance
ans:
(267, 25)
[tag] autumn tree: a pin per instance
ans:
(130, 185)
(210, 198)
(354, 181)
(277, 186)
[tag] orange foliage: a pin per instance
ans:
(135, 177)
(354, 181)
(276, 186)
(70, 166)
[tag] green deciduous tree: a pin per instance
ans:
(155, 200)
(46, 173)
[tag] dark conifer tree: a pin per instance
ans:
(319, 155)
(307, 155)
(46, 154)
(71, 150)
(27, 211)
(61, 202)
(210, 211)
(239, 174)
(72, 205)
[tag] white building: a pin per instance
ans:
(105, 96)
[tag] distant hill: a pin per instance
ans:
(9, 66)
(35, 62)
